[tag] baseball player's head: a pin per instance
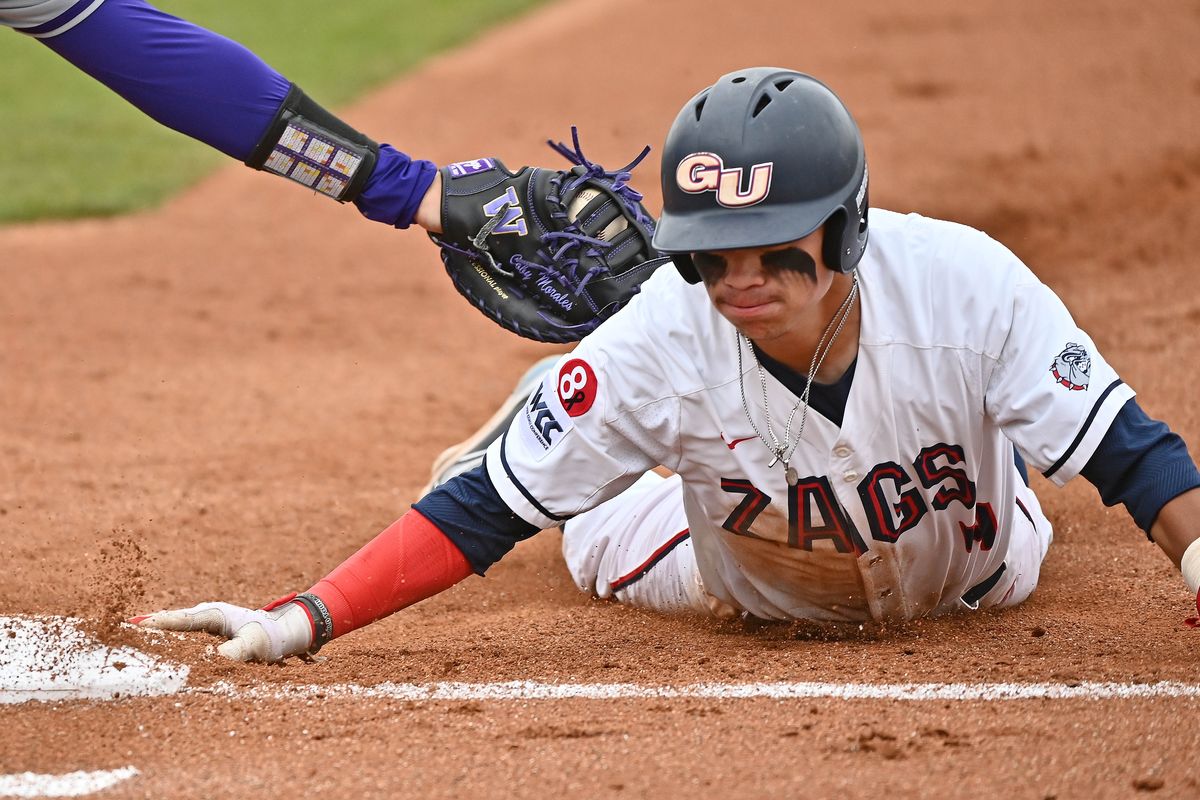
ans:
(762, 158)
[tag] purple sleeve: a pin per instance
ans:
(212, 89)
(188, 78)
(394, 190)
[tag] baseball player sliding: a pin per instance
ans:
(846, 397)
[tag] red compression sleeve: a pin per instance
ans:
(409, 561)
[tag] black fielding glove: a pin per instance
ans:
(547, 254)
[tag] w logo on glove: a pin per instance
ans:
(514, 218)
(582, 249)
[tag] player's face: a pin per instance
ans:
(767, 292)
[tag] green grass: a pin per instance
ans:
(75, 149)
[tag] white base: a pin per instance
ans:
(49, 659)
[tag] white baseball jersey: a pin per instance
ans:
(898, 512)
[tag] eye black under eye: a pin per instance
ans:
(792, 258)
(712, 263)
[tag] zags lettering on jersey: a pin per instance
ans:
(983, 530)
(931, 474)
(754, 503)
(810, 500)
(814, 512)
(577, 387)
(889, 520)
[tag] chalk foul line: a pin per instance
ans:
(534, 690)
(51, 659)
(71, 784)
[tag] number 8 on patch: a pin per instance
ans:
(576, 387)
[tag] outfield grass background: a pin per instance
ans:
(73, 148)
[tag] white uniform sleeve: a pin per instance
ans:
(599, 420)
(45, 18)
(1050, 390)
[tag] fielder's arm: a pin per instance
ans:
(218, 92)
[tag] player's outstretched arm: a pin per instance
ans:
(217, 91)
(1145, 466)
(273, 633)
(1177, 532)
(407, 562)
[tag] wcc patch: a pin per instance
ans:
(544, 422)
(1072, 368)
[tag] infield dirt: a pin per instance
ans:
(224, 398)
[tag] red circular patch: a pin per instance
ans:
(577, 387)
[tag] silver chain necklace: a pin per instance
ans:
(783, 451)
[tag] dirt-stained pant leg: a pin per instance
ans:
(636, 549)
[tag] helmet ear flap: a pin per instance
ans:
(844, 242)
(686, 267)
(835, 233)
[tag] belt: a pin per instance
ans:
(973, 595)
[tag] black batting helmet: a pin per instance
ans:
(762, 157)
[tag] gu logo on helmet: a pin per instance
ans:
(706, 172)
(1072, 367)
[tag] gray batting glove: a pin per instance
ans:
(270, 634)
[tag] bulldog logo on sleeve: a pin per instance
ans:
(1072, 367)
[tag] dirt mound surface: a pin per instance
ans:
(225, 397)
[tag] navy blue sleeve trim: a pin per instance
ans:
(469, 510)
(532, 500)
(1141, 464)
(1086, 424)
